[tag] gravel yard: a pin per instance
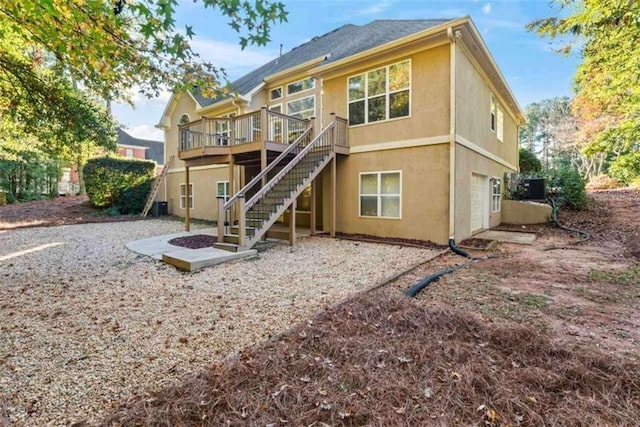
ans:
(85, 323)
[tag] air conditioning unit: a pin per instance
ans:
(535, 189)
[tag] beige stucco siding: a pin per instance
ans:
(204, 181)
(467, 163)
(429, 111)
(473, 112)
(184, 105)
(424, 205)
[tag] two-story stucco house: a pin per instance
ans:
(397, 128)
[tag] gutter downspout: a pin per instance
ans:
(452, 135)
(451, 35)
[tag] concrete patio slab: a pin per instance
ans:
(195, 259)
(508, 236)
(156, 246)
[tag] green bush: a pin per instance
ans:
(626, 168)
(529, 163)
(568, 186)
(121, 183)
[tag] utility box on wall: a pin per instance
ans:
(160, 209)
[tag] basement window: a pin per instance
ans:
(380, 194)
(223, 190)
(183, 196)
(496, 195)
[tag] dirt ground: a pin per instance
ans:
(51, 212)
(547, 334)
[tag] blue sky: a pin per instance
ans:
(531, 68)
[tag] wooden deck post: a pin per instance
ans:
(292, 223)
(242, 225)
(187, 200)
(221, 219)
(332, 232)
(312, 219)
(263, 163)
(231, 175)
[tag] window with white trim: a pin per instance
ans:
(223, 190)
(184, 119)
(496, 194)
(303, 108)
(183, 196)
(301, 85)
(380, 194)
(128, 152)
(380, 94)
(275, 93)
(276, 124)
(494, 108)
(500, 130)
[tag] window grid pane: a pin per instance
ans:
(385, 92)
(380, 194)
(356, 88)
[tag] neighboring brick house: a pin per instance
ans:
(129, 146)
(396, 128)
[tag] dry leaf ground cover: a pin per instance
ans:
(541, 335)
(86, 324)
(50, 212)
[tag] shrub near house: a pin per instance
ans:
(120, 183)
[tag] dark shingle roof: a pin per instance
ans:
(155, 150)
(340, 43)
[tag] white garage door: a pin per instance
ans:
(477, 202)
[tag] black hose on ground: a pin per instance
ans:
(457, 250)
(554, 220)
(413, 291)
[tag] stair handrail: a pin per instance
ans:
(263, 173)
(273, 181)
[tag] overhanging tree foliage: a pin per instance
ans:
(111, 46)
(57, 57)
(607, 82)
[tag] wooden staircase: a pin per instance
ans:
(242, 223)
(156, 186)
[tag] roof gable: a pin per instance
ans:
(338, 44)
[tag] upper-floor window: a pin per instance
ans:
(303, 108)
(275, 93)
(496, 122)
(301, 85)
(184, 119)
(380, 94)
(494, 113)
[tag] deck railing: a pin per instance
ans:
(257, 126)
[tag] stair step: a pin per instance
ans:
(231, 247)
(231, 238)
(249, 231)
